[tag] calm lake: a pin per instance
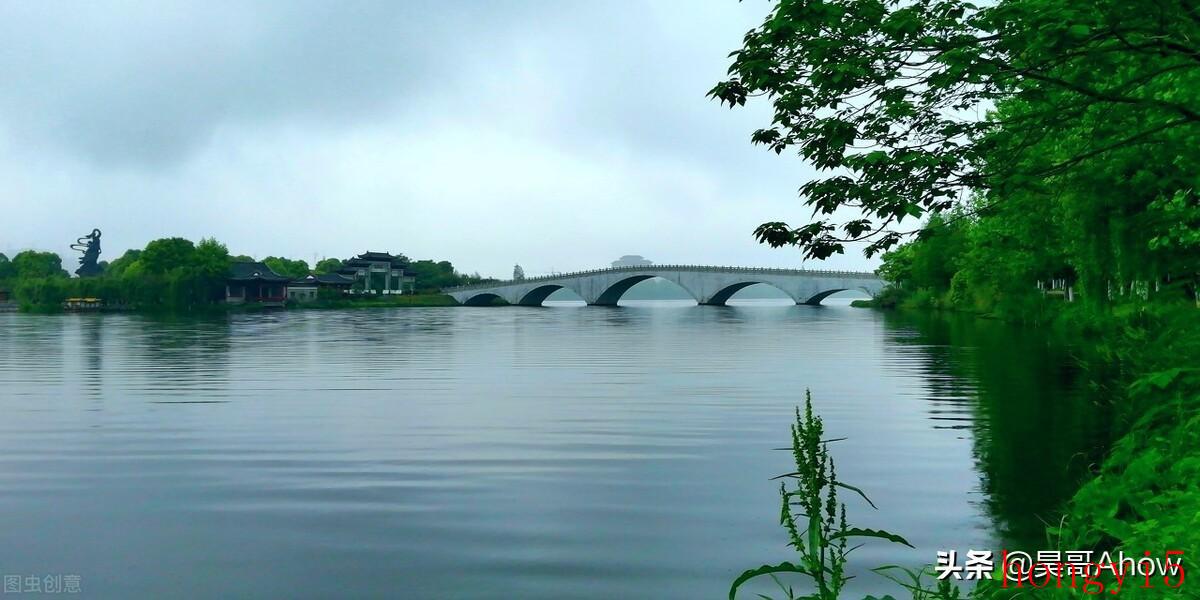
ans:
(510, 452)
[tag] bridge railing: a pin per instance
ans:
(697, 268)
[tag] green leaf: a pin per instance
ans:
(783, 567)
(857, 491)
(873, 533)
(1158, 380)
(1162, 379)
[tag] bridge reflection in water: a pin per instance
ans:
(708, 285)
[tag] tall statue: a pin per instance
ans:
(89, 245)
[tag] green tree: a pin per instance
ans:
(30, 264)
(165, 254)
(211, 258)
(943, 245)
(42, 292)
(118, 266)
(1180, 239)
(287, 267)
(431, 276)
(172, 273)
(327, 265)
(881, 96)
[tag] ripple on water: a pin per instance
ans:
(533, 453)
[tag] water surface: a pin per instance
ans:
(505, 452)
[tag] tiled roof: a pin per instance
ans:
(376, 256)
(253, 271)
(326, 278)
(334, 278)
(366, 258)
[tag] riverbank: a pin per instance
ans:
(1143, 494)
(350, 302)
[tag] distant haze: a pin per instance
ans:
(556, 135)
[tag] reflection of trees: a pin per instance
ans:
(91, 346)
(183, 355)
(1020, 394)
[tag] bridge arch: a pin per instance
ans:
(612, 294)
(724, 294)
(484, 299)
(816, 299)
(537, 295)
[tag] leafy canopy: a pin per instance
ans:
(287, 267)
(891, 99)
(164, 254)
(327, 265)
(30, 264)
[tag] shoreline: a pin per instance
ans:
(1148, 370)
(400, 301)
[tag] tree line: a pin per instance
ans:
(172, 274)
(430, 276)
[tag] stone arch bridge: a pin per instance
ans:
(708, 285)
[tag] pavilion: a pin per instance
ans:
(254, 282)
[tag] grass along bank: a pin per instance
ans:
(1142, 360)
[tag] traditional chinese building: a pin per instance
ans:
(378, 272)
(254, 282)
(631, 260)
(306, 289)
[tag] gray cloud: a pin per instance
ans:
(149, 82)
(556, 134)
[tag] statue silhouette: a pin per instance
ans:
(89, 245)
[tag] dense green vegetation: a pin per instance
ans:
(175, 274)
(169, 274)
(432, 276)
(1129, 476)
(287, 267)
(1043, 151)
(912, 109)
(327, 265)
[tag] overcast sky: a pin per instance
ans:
(558, 135)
